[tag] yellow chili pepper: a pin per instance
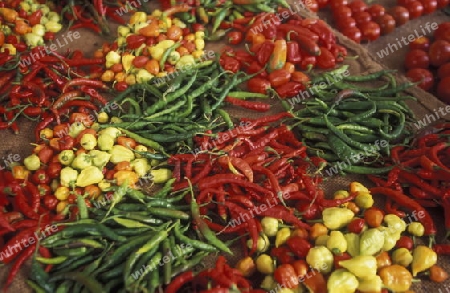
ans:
(423, 259)
(282, 235)
(264, 264)
(130, 176)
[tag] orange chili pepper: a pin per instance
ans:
(278, 59)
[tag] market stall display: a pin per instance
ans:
(139, 176)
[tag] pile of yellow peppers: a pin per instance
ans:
(29, 22)
(151, 46)
(354, 247)
(84, 157)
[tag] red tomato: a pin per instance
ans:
(442, 32)
(336, 3)
(362, 17)
(387, 23)
(442, 3)
(326, 59)
(312, 5)
(404, 2)
(322, 3)
(444, 70)
(439, 52)
(54, 170)
(346, 22)
(353, 33)
(415, 9)
(429, 6)
(358, 6)
(285, 276)
(370, 31)
(376, 11)
(443, 90)
(405, 242)
(400, 14)
(342, 12)
(424, 76)
(417, 59)
(422, 43)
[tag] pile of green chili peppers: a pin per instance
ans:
(352, 126)
(129, 242)
(173, 113)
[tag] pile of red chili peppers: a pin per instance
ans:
(45, 87)
(29, 219)
(279, 48)
(254, 172)
(222, 278)
(423, 173)
(93, 14)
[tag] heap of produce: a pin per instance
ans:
(26, 24)
(429, 60)
(351, 125)
(151, 46)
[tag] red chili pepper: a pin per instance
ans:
(10, 250)
(26, 254)
(442, 249)
(293, 52)
(282, 254)
(229, 63)
(410, 204)
(289, 89)
(84, 62)
(88, 25)
(4, 223)
(235, 37)
(112, 13)
(414, 179)
(94, 94)
(391, 209)
(445, 203)
(66, 142)
(434, 154)
(282, 213)
(265, 52)
(135, 41)
(179, 281)
(35, 17)
(299, 246)
(302, 32)
(251, 105)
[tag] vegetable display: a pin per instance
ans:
(420, 176)
(337, 255)
(280, 49)
(351, 125)
(362, 22)
(428, 60)
(26, 24)
(151, 246)
(172, 113)
(151, 46)
(143, 171)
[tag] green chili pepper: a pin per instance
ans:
(90, 283)
(147, 142)
(51, 261)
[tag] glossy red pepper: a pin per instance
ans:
(66, 143)
(289, 89)
(299, 246)
(265, 52)
(293, 52)
(229, 63)
(235, 37)
(134, 41)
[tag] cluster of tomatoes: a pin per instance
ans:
(361, 22)
(428, 62)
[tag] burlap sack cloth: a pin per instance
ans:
(367, 61)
